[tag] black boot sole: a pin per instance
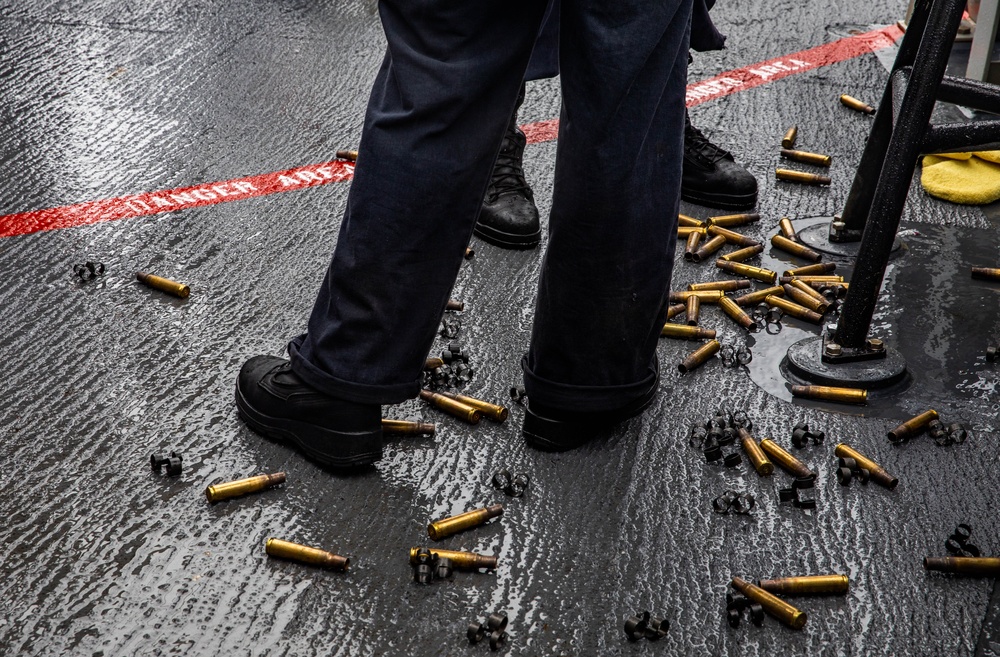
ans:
(357, 447)
(508, 240)
(716, 200)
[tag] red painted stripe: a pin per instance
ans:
(184, 198)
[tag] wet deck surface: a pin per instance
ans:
(102, 557)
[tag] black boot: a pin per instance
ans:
(711, 177)
(509, 217)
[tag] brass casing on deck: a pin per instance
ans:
(913, 426)
(855, 104)
(878, 474)
(731, 236)
(830, 393)
(452, 407)
(492, 411)
(230, 489)
(973, 566)
(789, 175)
(773, 605)
(406, 428)
(806, 585)
(798, 250)
(725, 286)
(757, 457)
(740, 269)
(731, 220)
(698, 357)
(784, 459)
(276, 547)
(756, 297)
(743, 254)
(447, 526)
(179, 290)
(685, 332)
(460, 560)
(788, 141)
(737, 314)
(806, 157)
(794, 309)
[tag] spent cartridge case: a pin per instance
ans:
(433, 363)
(406, 428)
(913, 426)
(802, 177)
(986, 274)
(830, 393)
(275, 547)
(730, 220)
(794, 309)
(878, 474)
(241, 487)
(708, 248)
(454, 305)
(675, 309)
(179, 290)
(855, 104)
(743, 254)
(811, 278)
(788, 141)
(684, 220)
(685, 332)
(805, 300)
(817, 269)
(754, 298)
(469, 252)
(773, 605)
(806, 585)
(973, 566)
(460, 560)
(811, 291)
(749, 271)
(757, 457)
(698, 357)
(347, 155)
(807, 157)
(787, 229)
(737, 314)
(798, 250)
(447, 526)
(706, 296)
(694, 238)
(693, 309)
(492, 411)
(725, 286)
(684, 232)
(731, 236)
(452, 407)
(784, 459)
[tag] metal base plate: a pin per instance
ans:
(804, 360)
(817, 237)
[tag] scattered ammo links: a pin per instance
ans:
(959, 545)
(450, 370)
(802, 435)
(428, 566)
(876, 472)
(738, 606)
(179, 290)
(733, 502)
(645, 626)
(407, 428)
(849, 469)
(855, 104)
(242, 487)
(771, 604)
(495, 625)
(89, 270)
(304, 554)
(735, 356)
(717, 432)
(447, 526)
(807, 585)
(512, 485)
(451, 327)
(467, 561)
(172, 462)
(786, 495)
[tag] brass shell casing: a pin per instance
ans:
(454, 305)
(684, 220)
(406, 428)
(347, 155)
(708, 248)
(986, 274)
(788, 141)
(492, 411)
(913, 426)
(692, 309)
(699, 356)
(807, 157)
(452, 407)
(773, 605)
(756, 273)
(830, 393)
(731, 236)
(805, 300)
(686, 231)
(807, 289)
(796, 249)
(878, 474)
(831, 279)
(743, 254)
(794, 309)
(787, 229)
(179, 290)
(706, 296)
(818, 269)
(433, 363)
(757, 457)
(789, 175)
(855, 104)
(754, 298)
(460, 560)
(730, 220)
(675, 309)
(784, 459)
(229, 489)
(275, 547)
(447, 526)
(807, 585)
(685, 332)
(725, 286)
(974, 566)
(469, 252)
(737, 314)
(693, 240)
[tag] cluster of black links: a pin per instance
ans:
(737, 605)
(89, 270)
(734, 356)
(958, 543)
(454, 373)
(768, 318)
(947, 434)
(802, 435)
(495, 626)
(645, 626)
(733, 502)
(792, 495)
(430, 566)
(171, 461)
(848, 470)
(450, 327)
(718, 432)
(513, 485)
(518, 395)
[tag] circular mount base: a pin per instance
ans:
(817, 237)
(805, 361)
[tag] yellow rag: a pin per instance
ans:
(966, 178)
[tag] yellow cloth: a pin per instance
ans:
(966, 178)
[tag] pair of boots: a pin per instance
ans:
(509, 218)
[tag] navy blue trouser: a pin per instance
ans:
(437, 113)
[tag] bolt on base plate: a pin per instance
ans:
(817, 237)
(805, 361)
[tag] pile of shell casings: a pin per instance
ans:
(761, 598)
(789, 152)
(433, 563)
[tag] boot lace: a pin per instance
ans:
(696, 144)
(508, 174)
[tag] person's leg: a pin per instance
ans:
(435, 119)
(605, 280)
